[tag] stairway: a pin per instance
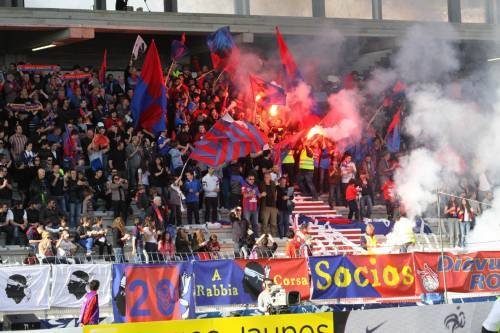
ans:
(326, 239)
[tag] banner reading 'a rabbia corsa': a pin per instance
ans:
(464, 273)
(239, 281)
(364, 276)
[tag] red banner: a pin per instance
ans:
(76, 76)
(464, 273)
(291, 274)
(152, 293)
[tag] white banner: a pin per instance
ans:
(24, 288)
(444, 318)
(70, 284)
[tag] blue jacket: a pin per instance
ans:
(194, 185)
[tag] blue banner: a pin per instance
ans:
(239, 281)
(360, 276)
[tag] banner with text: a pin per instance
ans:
(304, 323)
(152, 292)
(70, 284)
(239, 281)
(24, 288)
(464, 273)
(358, 276)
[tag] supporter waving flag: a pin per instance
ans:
(267, 93)
(149, 104)
(227, 141)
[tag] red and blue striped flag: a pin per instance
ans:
(293, 75)
(267, 93)
(393, 136)
(178, 49)
(227, 141)
(149, 103)
(222, 47)
(69, 145)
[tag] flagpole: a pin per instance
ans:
(255, 113)
(205, 74)
(169, 71)
(254, 101)
(184, 167)
(215, 82)
(375, 115)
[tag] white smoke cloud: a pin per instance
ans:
(425, 58)
(452, 137)
(417, 180)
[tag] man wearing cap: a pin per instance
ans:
(100, 141)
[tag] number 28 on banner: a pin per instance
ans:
(164, 292)
(152, 294)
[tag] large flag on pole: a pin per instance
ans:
(149, 104)
(104, 66)
(393, 136)
(267, 93)
(293, 75)
(140, 47)
(178, 48)
(227, 141)
(222, 46)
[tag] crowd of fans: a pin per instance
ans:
(68, 148)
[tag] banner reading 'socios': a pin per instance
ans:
(362, 276)
(223, 282)
(464, 273)
(303, 323)
(152, 292)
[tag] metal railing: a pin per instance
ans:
(143, 258)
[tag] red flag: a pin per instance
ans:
(149, 103)
(292, 72)
(104, 66)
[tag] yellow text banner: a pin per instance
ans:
(289, 323)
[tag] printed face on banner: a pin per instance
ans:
(18, 288)
(24, 288)
(70, 284)
(77, 284)
(240, 281)
(469, 272)
(362, 276)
